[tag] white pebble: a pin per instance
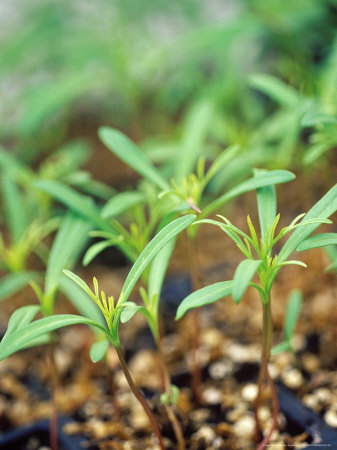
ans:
(249, 392)
(244, 426)
(331, 418)
(292, 378)
(212, 396)
(220, 369)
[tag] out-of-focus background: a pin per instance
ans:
(257, 73)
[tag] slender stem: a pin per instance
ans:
(140, 397)
(54, 388)
(169, 409)
(267, 334)
(195, 314)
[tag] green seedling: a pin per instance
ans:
(150, 311)
(22, 331)
(262, 260)
(189, 192)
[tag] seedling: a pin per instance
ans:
(262, 260)
(189, 192)
(22, 331)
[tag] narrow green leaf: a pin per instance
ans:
(130, 310)
(14, 208)
(21, 317)
(243, 274)
(28, 333)
(199, 119)
(275, 89)
(120, 203)
(67, 246)
(204, 296)
(281, 347)
(293, 310)
(98, 350)
(81, 301)
(158, 270)
(320, 240)
(323, 209)
(260, 180)
(14, 282)
(79, 282)
(126, 150)
(95, 249)
(266, 202)
(149, 252)
(76, 202)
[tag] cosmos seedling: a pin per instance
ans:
(262, 260)
(22, 331)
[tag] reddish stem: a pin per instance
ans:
(140, 398)
(54, 387)
(195, 314)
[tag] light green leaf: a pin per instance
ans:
(126, 150)
(293, 310)
(243, 274)
(130, 310)
(260, 180)
(21, 317)
(198, 122)
(98, 350)
(67, 246)
(13, 282)
(76, 202)
(266, 201)
(32, 331)
(82, 302)
(323, 209)
(14, 208)
(97, 248)
(149, 252)
(275, 89)
(320, 240)
(120, 203)
(158, 270)
(281, 347)
(204, 296)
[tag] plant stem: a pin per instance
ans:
(140, 397)
(54, 388)
(267, 334)
(169, 409)
(195, 314)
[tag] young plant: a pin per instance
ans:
(189, 192)
(262, 260)
(23, 331)
(150, 311)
